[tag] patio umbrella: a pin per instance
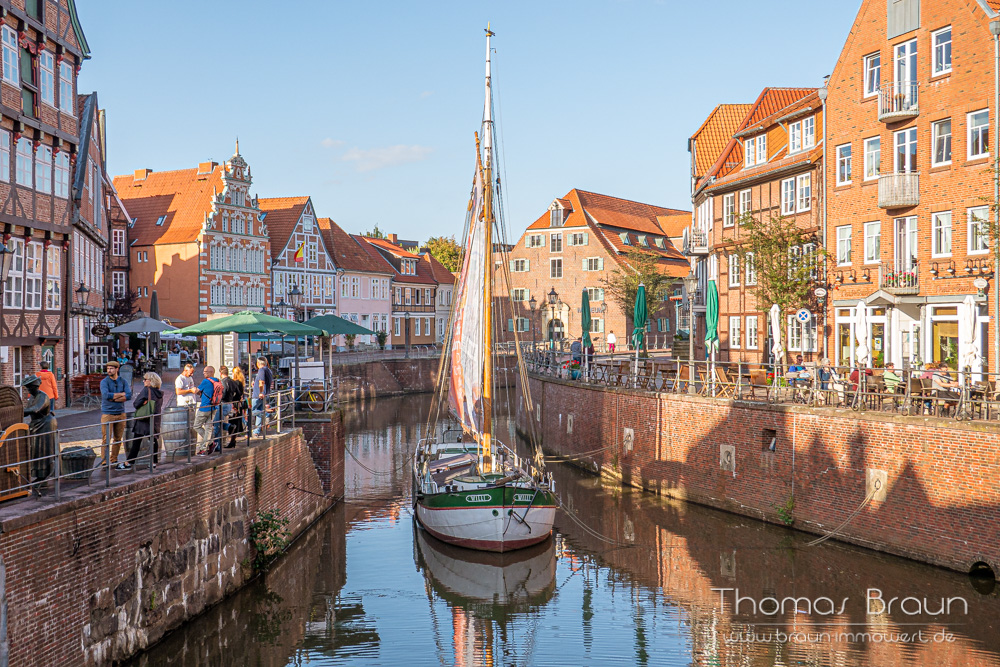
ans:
(968, 333)
(144, 325)
(154, 312)
(777, 350)
(712, 326)
(331, 325)
(861, 334)
(585, 325)
(639, 315)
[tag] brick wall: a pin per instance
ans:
(940, 499)
(325, 435)
(98, 578)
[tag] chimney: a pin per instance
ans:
(141, 174)
(207, 167)
(392, 238)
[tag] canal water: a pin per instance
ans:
(628, 579)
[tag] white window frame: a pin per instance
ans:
(734, 270)
(53, 278)
(519, 294)
(938, 67)
(46, 77)
(941, 225)
(595, 293)
(844, 244)
(746, 201)
(808, 132)
(118, 243)
(844, 164)
(909, 138)
(534, 241)
(872, 86)
(34, 261)
(729, 210)
(24, 163)
(13, 289)
(803, 192)
(761, 149)
(873, 230)
(553, 263)
(935, 137)
(795, 137)
(43, 169)
(752, 339)
(980, 131)
(788, 196)
(556, 242)
(749, 153)
(518, 265)
(60, 183)
(751, 269)
(593, 264)
(735, 334)
(577, 239)
(396, 327)
(978, 221)
(67, 100)
(11, 57)
(873, 158)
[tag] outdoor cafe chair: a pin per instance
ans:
(758, 382)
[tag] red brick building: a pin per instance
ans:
(909, 149)
(42, 47)
(770, 166)
(574, 246)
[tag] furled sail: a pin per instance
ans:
(467, 353)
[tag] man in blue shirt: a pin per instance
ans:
(261, 387)
(205, 417)
(114, 392)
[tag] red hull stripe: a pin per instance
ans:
(488, 545)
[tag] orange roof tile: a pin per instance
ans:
(347, 252)
(714, 134)
(781, 161)
(438, 270)
(183, 198)
(283, 214)
(994, 5)
(424, 272)
(674, 225)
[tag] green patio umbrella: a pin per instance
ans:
(250, 321)
(585, 325)
(336, 326)
(712, 326)
(639, 315)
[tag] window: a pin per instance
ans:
(518, 265)
(96, 197)
(794, 335)
(46, 77)
(556, 243)
(312, 252)
(118, 242)
(941, 142)
(11, 65)
(873, 157)
(395, 326)
(728, 210)
(407, 296)
(416, 326)
(844, 245)
(53, 280)
(13, 289)
(843, 164)
(873, 74)
(555, 268)
(873, 242)
(556, 217)
(979, 240)
(809, 132)
(941, 234)
(33, 276)
(534, 241)
(428, 300)
(595, 293)
(788, 196)
(43, 169)
(749, 153)
(5, 157)
(734, 270)
(592, 264)
(597, 325)
(795, 137)
(62, 170)
(751, 269)
(906, 151)
(805, 192)
(578, 238)
(519, 324)
(66, 87)
(941, 44)
(762, 149)
(734, 332)
(979, 134)
(519, 294)
(745, 202)
(24, 162)
(752, 332)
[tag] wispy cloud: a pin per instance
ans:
(331, 143)
(426, 94)
(390, 156)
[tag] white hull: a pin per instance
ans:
(478, 528)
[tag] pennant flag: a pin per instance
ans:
(300, 253)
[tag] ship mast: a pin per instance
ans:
(486, 443)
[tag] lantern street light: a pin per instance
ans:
(82, 292)
(295, 296)
(280, 309)
(532, 305)
(553, 298)
(690, 287)
(6, 261)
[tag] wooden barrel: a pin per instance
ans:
(174, 429)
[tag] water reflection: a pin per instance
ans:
(628, 579)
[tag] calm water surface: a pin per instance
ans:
(628, 579)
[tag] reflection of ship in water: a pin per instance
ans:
(486, 593)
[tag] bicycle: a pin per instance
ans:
(313, 398)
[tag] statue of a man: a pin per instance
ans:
(44, 442)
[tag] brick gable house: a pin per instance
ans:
(770, 166)
(574, 246)
(414, 292)
(909, 148)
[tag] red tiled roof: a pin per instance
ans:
(565, 203)
(438, 270)
(711, 138)
(424, 273)
(283, 215)
(347, 252)
(781, 161)
(184, 197)
(674, 225)
(994, 5)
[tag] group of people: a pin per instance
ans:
(944, 387)
(218, 404)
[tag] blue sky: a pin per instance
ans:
(370, 107)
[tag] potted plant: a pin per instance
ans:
(381, 337)
(350, 340)
(573, 368)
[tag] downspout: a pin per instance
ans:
(995, 30)
(822, 93)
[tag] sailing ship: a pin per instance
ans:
(478, 492)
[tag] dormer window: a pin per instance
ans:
(557, 217)
(642, 241)
(659, 243)
(160, 220)
(625, 238)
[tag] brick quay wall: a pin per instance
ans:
(935, 483)
(96, 579)
(395, 377)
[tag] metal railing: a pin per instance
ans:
(898, 100)
(899, 276)
(899, 190)
(365, 356)
(967, 395)
(697, 241)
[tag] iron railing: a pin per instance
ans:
(899, 277)
(898, 100)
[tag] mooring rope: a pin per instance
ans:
(851, 516)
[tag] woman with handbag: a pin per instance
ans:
(236, 423)
(148, 410)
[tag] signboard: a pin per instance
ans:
(100, 330)
(820, 292)
(803, 315)
(980, 283)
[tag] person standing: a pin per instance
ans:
(239, 407)
(48, 386)
(187, 396)
(261, 389)
(230, 394)
(147, 426)
(611, 342)
(204, 421)
(114, 392)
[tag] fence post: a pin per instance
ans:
(277, 427)
(187, 432)
(58, 466)
(294, 403)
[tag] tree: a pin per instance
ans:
(783, 257)
(622, 284)
(122, 308)
(375, 233)
(445, 250)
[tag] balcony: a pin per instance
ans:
(898, 190)
(898, 101)
(695, 241)
(899, 277)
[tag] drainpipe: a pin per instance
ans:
(822, 92)
(995, 30)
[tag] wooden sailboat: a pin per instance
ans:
(478, 492)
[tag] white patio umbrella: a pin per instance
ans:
(968, 333)
(861, 352)
(777, 349)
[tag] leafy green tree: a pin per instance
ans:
(445, 250)
(375, 233)
(622, 284)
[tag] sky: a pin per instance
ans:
(370, 107)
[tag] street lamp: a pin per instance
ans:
(553, 298)
(295, 296)
(6, 261)
(82, 292)
(280, 309)
(532, 305)
(690, 286)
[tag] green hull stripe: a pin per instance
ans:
(497, 497)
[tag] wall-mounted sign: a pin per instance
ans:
(100, 330)
(803, 315)
(980, 283)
